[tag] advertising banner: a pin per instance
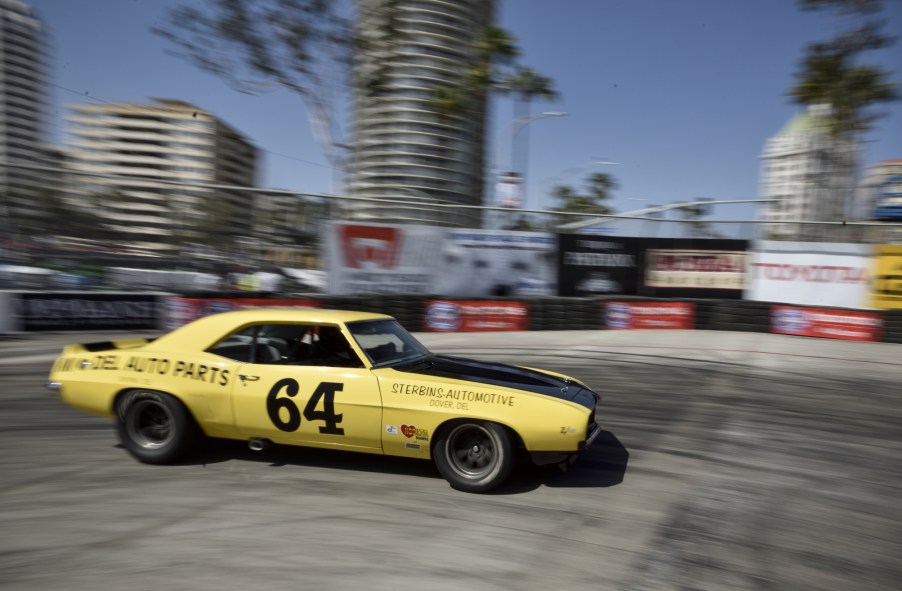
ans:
(480, 263)
(411, 259)
(808, 273)
(830, 324)
(598, 265)
(480, 316)
(379, 258)
(89, 311)
(887, 287)
(649, 315)
(695, 268)
(181, 311)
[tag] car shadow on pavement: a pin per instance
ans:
(602, 465)
(216, 451)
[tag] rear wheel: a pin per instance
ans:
(474, 456)
(154, 427)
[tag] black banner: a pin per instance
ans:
(592, 265)
(89, 311)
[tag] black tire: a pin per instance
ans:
(474, 456)
(154, 427)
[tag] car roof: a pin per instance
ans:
(201, 332)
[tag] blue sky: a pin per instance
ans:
(682, 94)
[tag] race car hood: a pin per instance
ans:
(500, 374)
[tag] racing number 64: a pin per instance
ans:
(325, 391)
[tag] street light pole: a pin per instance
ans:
(516, 182)
(515, 125)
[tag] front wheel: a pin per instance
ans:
(154, 427)
(474, 456)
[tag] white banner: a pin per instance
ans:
(380, 258)
(477, 263)
(411, 259)
(811, 274)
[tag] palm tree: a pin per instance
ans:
(594, 201)
(829, 74)
(493, 49)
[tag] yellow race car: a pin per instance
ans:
(330, 379)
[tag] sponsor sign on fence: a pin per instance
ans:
(649, 315)
(487, 263)
(832, 324)
(411, 259)
(89, 311)
(695, 269)
(813, 274)
(598, 265)
(465, 316)
(180, 311)
(378, 258)
(887, 292)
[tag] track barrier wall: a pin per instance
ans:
(73, 311)
(437, 279)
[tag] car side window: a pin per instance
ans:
(289, 344)
(253, 344)
(237, 346)
(331, 349)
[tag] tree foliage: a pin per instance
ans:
(526, 84)
(494, 69)
(830, 74)
(257, 46)
(253, 44)
(593, 200)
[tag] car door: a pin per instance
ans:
(307, 399)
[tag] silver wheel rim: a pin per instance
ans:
(472, 451)
(150, 424)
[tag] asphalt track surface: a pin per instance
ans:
(729, 461)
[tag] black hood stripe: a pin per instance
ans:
(496, 374)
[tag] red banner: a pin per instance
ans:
(181, 311)
(828, 324)
(446, 316)
(649, 315)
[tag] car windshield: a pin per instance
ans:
(386, 342)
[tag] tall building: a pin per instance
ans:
(809, 176)
(405, 148)
(880, 192)
(22, 117)
(144, 171)
(879, 198)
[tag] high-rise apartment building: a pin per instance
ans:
(145, 170)
(880, 192)
(22, 116)
(809, 176)
(406, 147)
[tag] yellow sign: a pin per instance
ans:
(887, 287)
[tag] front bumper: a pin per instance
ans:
(545, 458)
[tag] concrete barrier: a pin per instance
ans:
(545, 313)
